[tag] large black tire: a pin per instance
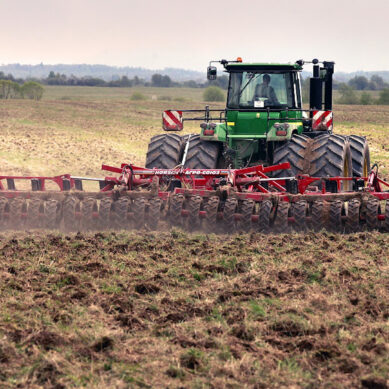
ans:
(294, 152)
(325, 155)
(202, 154)
(330, 155)
(164, 151)
(360, 155)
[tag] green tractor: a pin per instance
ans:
(264, 123)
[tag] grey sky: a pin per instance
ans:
(187, 34)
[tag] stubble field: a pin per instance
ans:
(171, 309)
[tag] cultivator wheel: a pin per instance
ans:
(334, 222)
(15, 218)
(299, 212)
(371, 213)
(153, 213)
(230, 208)
(88, 211)
(211, 208)
(246, 211)
(194, 205)
(105, 213)
(35, 213)
(318, 215)
(138, 213)
(281, 218)
(386, 221)
(70, 206)
(352, 219)
(3, 205)
(264, 216)
(51, 212)
(175, 209)
(121, 207)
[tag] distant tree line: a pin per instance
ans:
(157, 80)
(12, 90)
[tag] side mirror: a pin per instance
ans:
(211, 73)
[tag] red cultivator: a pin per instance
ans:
(218, 200)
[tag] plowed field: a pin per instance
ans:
(180, 310)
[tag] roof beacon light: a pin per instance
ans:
(239, 59)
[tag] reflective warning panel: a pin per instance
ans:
(172, 120)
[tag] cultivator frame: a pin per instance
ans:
(217, 200)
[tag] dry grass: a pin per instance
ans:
(173, 309)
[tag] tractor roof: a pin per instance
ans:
(231, 67)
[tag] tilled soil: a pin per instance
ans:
(173, 309)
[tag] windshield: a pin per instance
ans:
(255, 90)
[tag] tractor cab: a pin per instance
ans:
(261, 87)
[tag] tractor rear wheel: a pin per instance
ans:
(360, 155)
(164, 151)
(325, 155)
(330, 156)
(293, 152)
(202, 154)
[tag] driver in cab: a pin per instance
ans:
(264, 90)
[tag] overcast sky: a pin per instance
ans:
(187, 34)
